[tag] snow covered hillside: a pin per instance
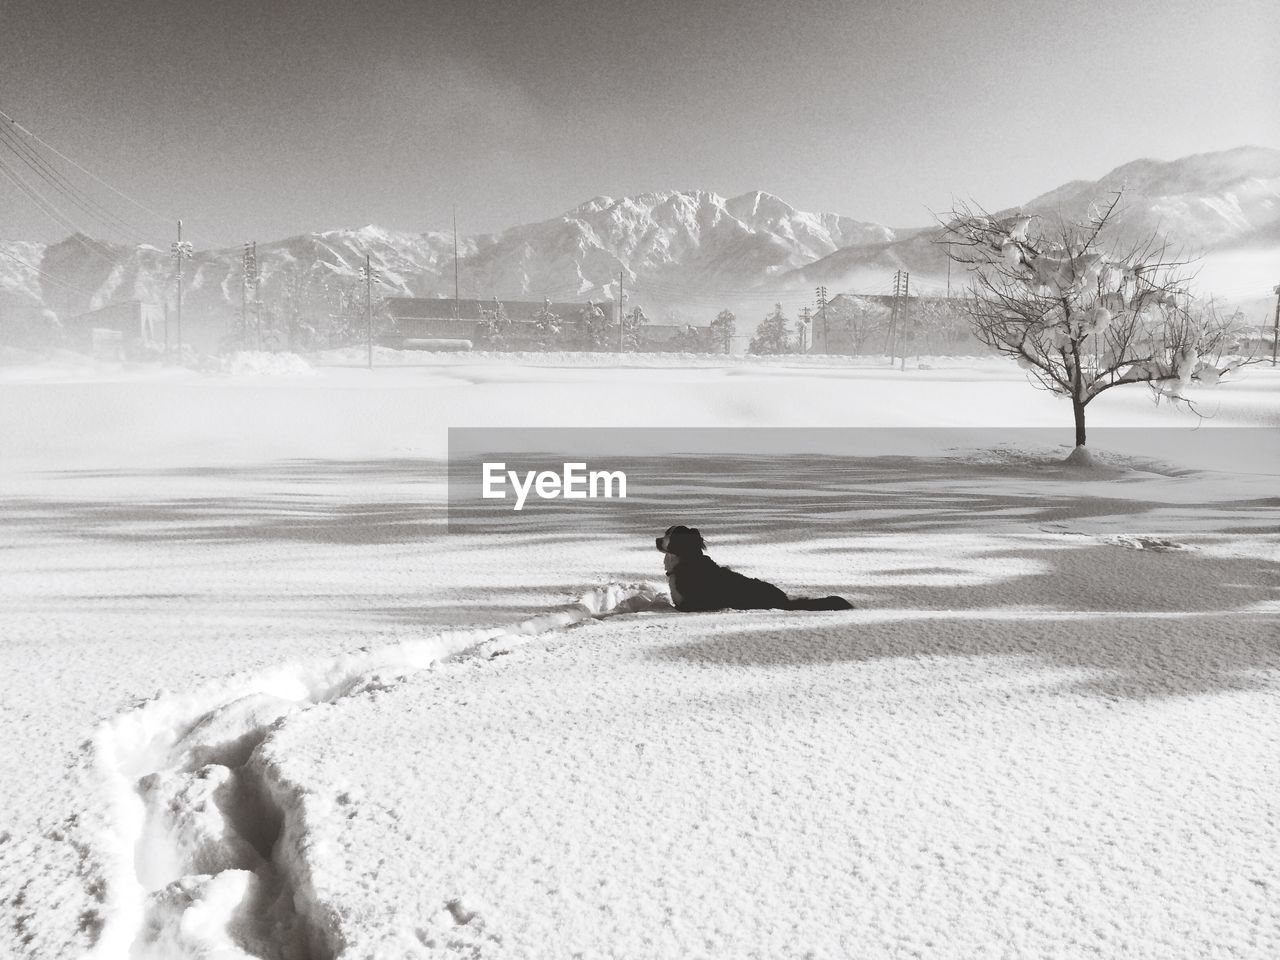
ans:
(671, 246)
(1225, 205)
(693, 249)
(256, 701)
(674, 244)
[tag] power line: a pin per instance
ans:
(45, 276)
(89, 173)
(49, 209)
(62, 185)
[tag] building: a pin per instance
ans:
(667, 337)
(428, 322)
(116, 328)
(438, 323)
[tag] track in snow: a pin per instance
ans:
(206, 841)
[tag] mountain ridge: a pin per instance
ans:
(671, 247)
(1204, 203)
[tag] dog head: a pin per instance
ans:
(681, 541)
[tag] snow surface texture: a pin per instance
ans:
(210, 841)
(1048, 730)
(887, 783)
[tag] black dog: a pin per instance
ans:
(699, 583)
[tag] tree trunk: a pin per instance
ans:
(1078, 409)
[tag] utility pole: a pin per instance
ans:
(249, 278)
(806, 318)
(255, 281)
(244, 291)
(180, 251)
(370, 276)
(892, 339)
(622, 318)
(899, 314)
(821, 293)
(455, 261)
(1275, 329)
(906, 315)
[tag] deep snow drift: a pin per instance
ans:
(1049, 728)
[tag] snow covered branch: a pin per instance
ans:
(1082, 315)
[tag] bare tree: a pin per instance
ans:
(853, 320)
(299, 304)
(1083, 313)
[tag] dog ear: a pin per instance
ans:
(696, 534)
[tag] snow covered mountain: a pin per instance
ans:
(668, 246)
(672, 248)
(1225, 206)
(665, 244)
(1204, 201)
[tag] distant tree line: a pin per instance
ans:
(594, 329)
(855, 325)
(308, 311)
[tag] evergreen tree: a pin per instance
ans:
(495, 326)
(721, 330)
(773, 335)
(546, 326)
(593, 327)
(632, 323)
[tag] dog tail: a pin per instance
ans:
(819, 603)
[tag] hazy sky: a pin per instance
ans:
(265, 119)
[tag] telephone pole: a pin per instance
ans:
(180, 251)
(244, 291)
(455, 261)
(821, 294)
(249, 278)
(906, 315)
(369, 276)
(901, 283)
(622, 344)
(256, 283)
(806, 318)
(1275, 329)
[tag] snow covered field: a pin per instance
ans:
(255, 700)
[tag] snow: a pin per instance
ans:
(864, 785)
(263, 363)
(255, 701)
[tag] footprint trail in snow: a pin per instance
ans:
(206, 848)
